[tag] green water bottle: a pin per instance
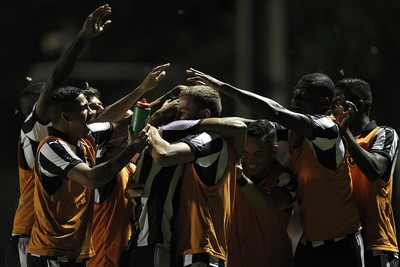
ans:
(141, 115)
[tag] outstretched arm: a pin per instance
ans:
(104, 172)
(263, 107)
(92, 27)
(117, 110)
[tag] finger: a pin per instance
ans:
(161, 76)
(106, 24)
(162, 67)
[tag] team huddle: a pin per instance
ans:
(192, 188)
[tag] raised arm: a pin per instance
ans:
(102, 173)
(373, 165)
(268, 200)
(117, 110)
(261, 106)
(92, 27)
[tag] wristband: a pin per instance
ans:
(242, 181)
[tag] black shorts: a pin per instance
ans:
(15, 254)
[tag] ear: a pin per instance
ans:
(360, 104)
(65, 117)
(206, 113)
(326, 103)
(275, 149)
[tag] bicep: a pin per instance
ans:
(174, 154)
(80, 174)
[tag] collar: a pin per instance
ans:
(368, 128)
(53, 131)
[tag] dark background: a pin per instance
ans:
(260, 45)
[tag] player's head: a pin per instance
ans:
(69, 111)
(354, 90)
(260, 149)
(93, 97)
(29, 96)
(199, 101)
(313, 94)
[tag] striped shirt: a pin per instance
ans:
(326, 144)
(159, 200)
(56, 156)
(32, 132)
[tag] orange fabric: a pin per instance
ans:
(24, 215)
(326, 199)
(258, 237)
(111, 224)
(205, 212)
(63, 223)
(374, 203)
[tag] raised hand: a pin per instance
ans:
(343, 118)
(94, 24)
(201, 78)
(154, 77)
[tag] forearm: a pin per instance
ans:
(262, 199)
(61, 72)
(231, 129)
(104, 172)
(372, 165)
(269, 109)
(118, 109)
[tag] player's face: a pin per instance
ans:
(187, 110)
(258, 157)
(96, 106)
(305, 101)
(80, 118)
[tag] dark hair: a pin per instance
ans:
(90, 92)
(31, 93)
(204, 97)
(32, 89)
(262, 128)
(320, 83)
(61, 100)
(355, 89)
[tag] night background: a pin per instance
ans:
(264, 46)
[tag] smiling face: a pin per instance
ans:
(258, 157)
(306, 100)
(78, 118)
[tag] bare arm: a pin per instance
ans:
(92, 27)
(263, 107)
(165, 114)
(102, 173)
(171, 95)
(234, 130)
(168, 154)
(117, 110)
(271, 200)
(373, 165)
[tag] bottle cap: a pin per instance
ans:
(143, 104)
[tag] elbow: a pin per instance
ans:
(160, 158)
